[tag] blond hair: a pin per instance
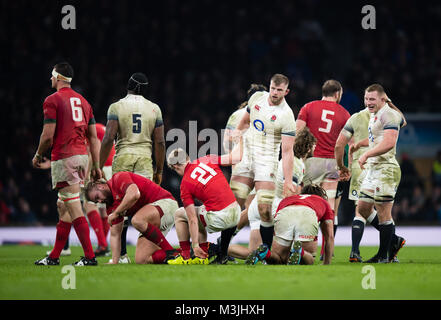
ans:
(177, 156)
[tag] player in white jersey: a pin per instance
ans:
(241, 191)
(355, 131)
(137, 126)
(271, 123)
(303, 148)
(383, 173)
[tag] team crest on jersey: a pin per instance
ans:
(378, 189)
(273, 118)
(375, 119)
(257, 107)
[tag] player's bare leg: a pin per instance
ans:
(279, 253)
(330, 187)
(241, 252)
(145, 250)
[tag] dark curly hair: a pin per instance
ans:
(252, 90)
(304, 143)
(314, 189)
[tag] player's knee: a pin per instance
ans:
(240, 190)
(136, 222)
(331, 193)
(180, 215)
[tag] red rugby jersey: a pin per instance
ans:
(318, 204)
(150, 191)
(325, 119)
(100, 131)
(204, 180)
(72, 115)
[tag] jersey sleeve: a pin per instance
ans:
(112, 113)
(186, 197)
(90, 114)
(253, 99)
(289, 124)
(329, 213)
(158, 121)
(348, 129)
(49, 110)
(391, 120)
(303, 113)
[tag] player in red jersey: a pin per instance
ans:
(96, 213)
(68, 125)
(151, 207)
(296, 227)
(325, 118)
(203, 179)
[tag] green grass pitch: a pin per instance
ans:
(418, 276)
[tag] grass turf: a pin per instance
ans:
(418, 276)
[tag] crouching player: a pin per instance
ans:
(303, 147)
(296, 227)
(203, 179)
(151, 207)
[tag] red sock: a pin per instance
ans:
(185, 249)
(82, 230)
(159, 256)
(155, 235)
(268, 254)
(63, 230)
(106, 226)
(204, 246)
(97, 225)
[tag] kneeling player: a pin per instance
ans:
(303, 148)
(296, 227)
(203, 179)
(151, 207)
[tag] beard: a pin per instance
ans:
(276, 101)
(109, 198)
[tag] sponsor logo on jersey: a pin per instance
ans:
(258, 124)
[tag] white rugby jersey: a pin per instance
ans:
(268, 124)
(386, 118)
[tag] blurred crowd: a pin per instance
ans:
(200, 57)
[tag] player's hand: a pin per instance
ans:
(157, 178)
(344, 173)
(41, 163)
(362, 160)
(198, 252)
(111, 217)
(96, 174)
(288, 189)
(353, 148)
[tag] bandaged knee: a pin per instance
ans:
(265, 196)
(240, 190)
(68, 197)
(331, 193)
